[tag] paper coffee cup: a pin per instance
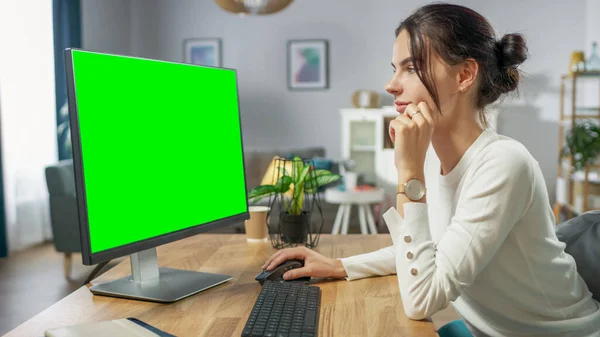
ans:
(256, 226)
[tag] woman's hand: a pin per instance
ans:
(315, 264)
(411, 133)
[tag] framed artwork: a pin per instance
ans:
(205, 52)
(308, 64)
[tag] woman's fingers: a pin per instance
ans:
(420, 119)
(298, 272)
(414, 115)
(395, 126)
(270, 259)
(411, 110)
(287, 254)
(420, 114)
(392, 132)
(426, 113)
(404, 120)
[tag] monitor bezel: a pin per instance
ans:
(90, 258)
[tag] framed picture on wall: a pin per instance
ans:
(308, 64)
(205, 52)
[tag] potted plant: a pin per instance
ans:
(295, 181)
(582, 143)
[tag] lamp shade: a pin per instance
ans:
(259, 7)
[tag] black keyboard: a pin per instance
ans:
(285, 309)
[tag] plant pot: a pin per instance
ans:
(294, 227)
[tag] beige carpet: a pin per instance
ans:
(33, 280)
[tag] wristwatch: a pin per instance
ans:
(414, 189)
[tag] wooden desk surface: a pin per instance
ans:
(367, 307)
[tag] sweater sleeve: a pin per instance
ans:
(378, 263)
(492, 199)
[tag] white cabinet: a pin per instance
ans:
(365, 140)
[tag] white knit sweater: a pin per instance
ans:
(485, 241)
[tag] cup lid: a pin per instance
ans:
(258, 209)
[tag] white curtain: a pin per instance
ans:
(28, 118)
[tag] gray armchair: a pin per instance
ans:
(63, 210)
(581, 236)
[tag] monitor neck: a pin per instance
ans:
(144, 266)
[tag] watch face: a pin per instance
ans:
(414, 189)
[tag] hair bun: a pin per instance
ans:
(512, 50)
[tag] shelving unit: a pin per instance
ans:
(364, 140)
(567, 179)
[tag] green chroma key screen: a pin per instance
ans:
(161, 146)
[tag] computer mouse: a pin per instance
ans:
(276, 274)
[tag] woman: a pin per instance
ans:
(482, 234)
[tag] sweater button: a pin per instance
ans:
(413, 272)
(407, 239)
(409, 255)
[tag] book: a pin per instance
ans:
(130, 327)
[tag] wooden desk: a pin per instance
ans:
(367, 307)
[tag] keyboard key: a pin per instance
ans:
(310, 317)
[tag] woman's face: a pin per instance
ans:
(406, 87)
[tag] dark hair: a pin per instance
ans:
(457, 33)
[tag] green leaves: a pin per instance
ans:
(301, 172)
(319, 173)
(283, 184)
(304, 178)
(583, 144)
(298, 166)
(261, 192)
(321, 178)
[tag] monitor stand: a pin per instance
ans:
(148, 282)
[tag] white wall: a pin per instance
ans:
(590, 87)
(28, 119)
(106, 26)
(592, 32)
(360, 34)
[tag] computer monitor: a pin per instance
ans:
(157, 157)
